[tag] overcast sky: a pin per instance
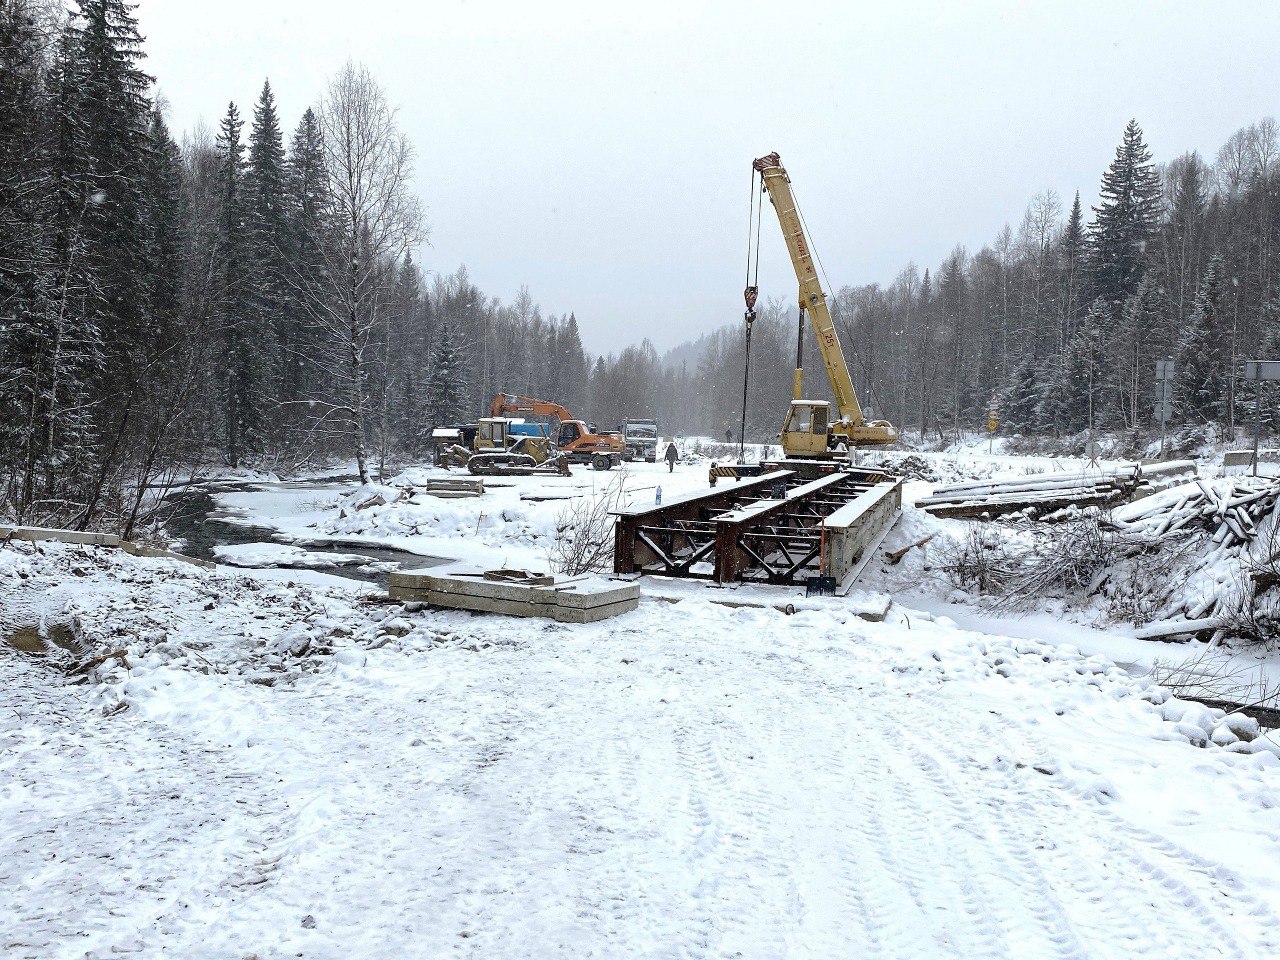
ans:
(600, 152)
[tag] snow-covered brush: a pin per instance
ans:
(584, 532)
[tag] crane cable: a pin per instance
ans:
(749, 293)
(813, 249)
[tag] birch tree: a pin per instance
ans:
(373, 221)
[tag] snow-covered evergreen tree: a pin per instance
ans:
(267, 222)
(1021, 399)
(1201, 368)
(1071, 389)
(1074, 249)
(241, 357)
(1126, 219)
(1137, 339)
(446, 401)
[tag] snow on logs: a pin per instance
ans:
(1229, 508)
(1045, 494)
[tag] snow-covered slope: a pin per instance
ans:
(292, 771)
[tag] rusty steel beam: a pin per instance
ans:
(765, 529)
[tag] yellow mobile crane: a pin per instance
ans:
(809, 432)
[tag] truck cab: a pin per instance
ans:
(641, 438)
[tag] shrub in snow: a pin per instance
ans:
(584, 533)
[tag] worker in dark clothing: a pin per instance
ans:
(671, 456)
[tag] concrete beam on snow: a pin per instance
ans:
(572, 600)
(89, 539)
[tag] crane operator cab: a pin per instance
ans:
(804, 432)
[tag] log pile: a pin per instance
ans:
(1229, 510)
(1044, 495)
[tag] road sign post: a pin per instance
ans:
(1259, 371)
(993, 421)
(1164, 397)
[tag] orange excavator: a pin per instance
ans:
(574, 438)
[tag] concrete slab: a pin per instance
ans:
(572, 600)
(62, 536)
(872, 607)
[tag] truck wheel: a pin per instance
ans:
(601, 462)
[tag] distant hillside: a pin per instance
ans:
(688, 354)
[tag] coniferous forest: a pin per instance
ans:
(248, 296)
(1064, 317)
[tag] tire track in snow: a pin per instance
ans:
(1071, 858)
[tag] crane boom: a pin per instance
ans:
(808, 431)
(812, 298)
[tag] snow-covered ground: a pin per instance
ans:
(274, 768)
(275, 773)
(513, 524)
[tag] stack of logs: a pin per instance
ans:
(1232, 511)
(1045, 494)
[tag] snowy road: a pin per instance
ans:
(683, 781)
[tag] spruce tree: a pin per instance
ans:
(1021, 397)
(1071, 390)
(1202, 364)
(573, 364)
(265, 203)
(26, 189)
(446, 399)
(239, 346)
(110, 121)
(306, 207)
(1126, 220)
(1073, 259)
(1137, 340)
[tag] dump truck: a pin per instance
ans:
(641, 438)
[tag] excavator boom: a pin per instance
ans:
(506, 405)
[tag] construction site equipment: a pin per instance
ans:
(574, 438)
(641, 439)
(515, 593)
(775, 528)
(809, 431)
(503, 446)
(1045, 494)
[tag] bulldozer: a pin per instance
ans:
(574, 438)
(503, 446)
